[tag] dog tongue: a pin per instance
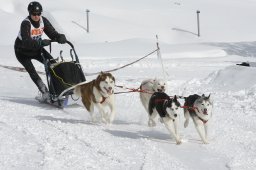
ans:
(109, 91)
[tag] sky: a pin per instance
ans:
(39, 136)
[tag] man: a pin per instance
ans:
(29, 43)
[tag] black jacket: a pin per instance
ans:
(27, 46)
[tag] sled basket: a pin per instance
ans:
(64, 75)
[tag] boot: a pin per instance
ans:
(45, 95)
(41, 86)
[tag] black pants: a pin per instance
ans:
(25, 60)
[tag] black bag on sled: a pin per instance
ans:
(64, 75)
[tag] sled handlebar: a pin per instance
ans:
(68, 42)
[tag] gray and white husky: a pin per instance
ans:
(148, 87)
(199, 108)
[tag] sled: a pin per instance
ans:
(62, 75)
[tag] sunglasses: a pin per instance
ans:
(36, 14)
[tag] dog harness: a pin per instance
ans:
(194, 109)
(102, 101)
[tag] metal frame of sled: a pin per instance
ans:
(57, 97)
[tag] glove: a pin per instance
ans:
(45, 42)
(61, 39)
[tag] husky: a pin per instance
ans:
(148, 87)
(199, 108)
(99, 93)
(161, 104)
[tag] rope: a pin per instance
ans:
(61, 79)
(132, 90)
(91, 74)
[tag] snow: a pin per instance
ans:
(38, 136)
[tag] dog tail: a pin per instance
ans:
(77, 90)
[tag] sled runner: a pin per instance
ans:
(61, 76)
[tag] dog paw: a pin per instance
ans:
(161, 120)
(178, 142)
(151, 123)
(205, 142)
(105, 120)
(94, 120)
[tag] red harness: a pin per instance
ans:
(195, 109)
(103, 99)
(160, 100)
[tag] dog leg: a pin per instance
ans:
(176, 127)
(200, 128)
(92, 114)
(151, 121)
(112, 116)
(93, 117)
(186, 115)
(105, 117)
(206, 131)
(144, 100)
(169, 124)
(103, 114)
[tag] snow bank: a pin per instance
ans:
(233, 78)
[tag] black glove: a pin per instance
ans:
(45, 42)
(61, 39)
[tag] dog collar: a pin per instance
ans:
(204, 121)
(195, 109)
(103, 99)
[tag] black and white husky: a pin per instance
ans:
(199, 108)
(167, 108)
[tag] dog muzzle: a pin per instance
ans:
(205, 112)
(109, 90)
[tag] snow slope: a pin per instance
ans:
(38, 136)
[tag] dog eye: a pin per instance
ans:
(176, 108)
(202, 104)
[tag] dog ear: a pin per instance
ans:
(100, 76)
(175, 98)
(209, 96)
(203, 95)
(166, 103)
(113, 78)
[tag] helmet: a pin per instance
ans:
(35, 7)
